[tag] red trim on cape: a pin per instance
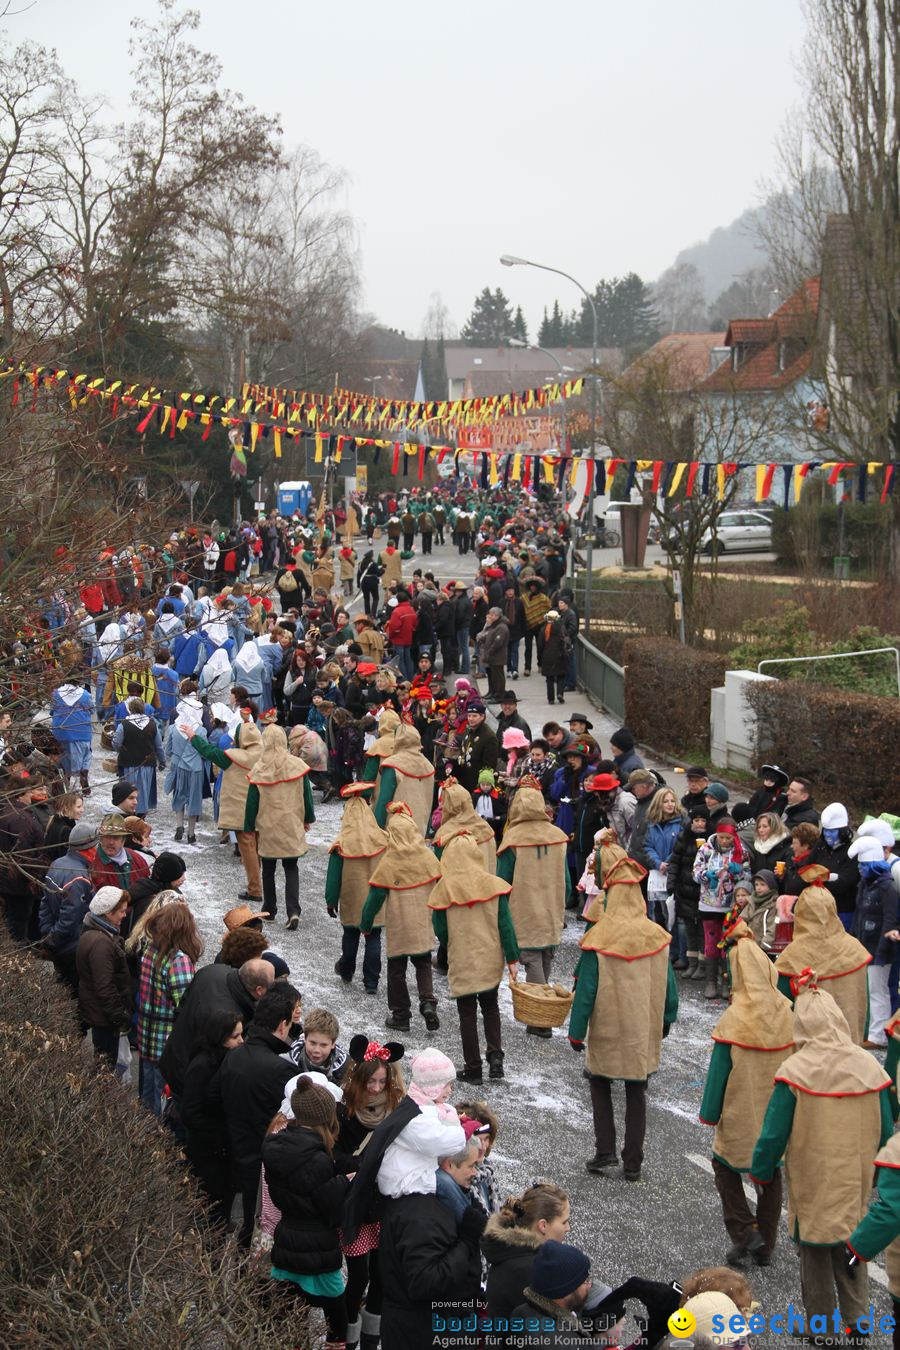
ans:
(763, 1049)
(893, 1167)
(467, 904)
(837, 975)
(619, 957)
(711, 1123)
(809, 1092)
(857, 1254)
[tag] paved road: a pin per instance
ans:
(664, 1227)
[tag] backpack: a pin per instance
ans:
(287, 582)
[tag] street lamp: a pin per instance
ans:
(510, 260)
(373, 380)
(533, 347)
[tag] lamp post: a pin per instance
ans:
(509, 260)
(533, 347)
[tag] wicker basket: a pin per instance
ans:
(110, 765)
(540, 1005)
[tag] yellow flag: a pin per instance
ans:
(680, 471)
(720, 482)
(277, 439)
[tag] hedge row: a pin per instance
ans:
(846, 743)
(667, 693)
(101, 1231)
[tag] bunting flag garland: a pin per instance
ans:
(263, 414)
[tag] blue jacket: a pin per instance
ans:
(659, 840)
(67, 894)
(876, 912)
(188, 650)
(167, 691)
(565, 785)
(71, 722)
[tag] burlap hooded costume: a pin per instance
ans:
(235, 763)
(880, 1229)
(401, 883)
(532, 857)
(279, 799)
(353, 856)
(752, 1038)
(408, 777)
(393, 567)
(382, 746)
(459, 816)
(821, 943)
(625, 991)
(471, 916)
(827, 1116)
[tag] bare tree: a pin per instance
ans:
(679, 300)
(437, 322)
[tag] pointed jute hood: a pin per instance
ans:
(458, 815)
(407, 861)
(826, 1062)
(276, 764)
(388, 723)
(360, 836)
(406, 756)
(820, 941)
(527, 825)
(464, 878)
(248, 752)
(758, 1017)
(623, 930)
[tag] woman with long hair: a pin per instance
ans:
(665, 820)
(771, 843)
(300, 685)
(201, 1110)
(168, 963)
(372, 1090)
(67, 811)
(308, 1189)
(511, 1238)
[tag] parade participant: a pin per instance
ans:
(280, 810)
(828, 1114)
(402, 883)
(71, 721)
(458, 816)
(880, 1229)
(471, 917)
(626, 999)
(140, 750)
(750, 1041)
(391, 564)
(821, 943)
(187, 776)
(234, 764)
(406, 776)
(352, 857)
(532, 857)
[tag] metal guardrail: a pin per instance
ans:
(601, 677)
(833, 656)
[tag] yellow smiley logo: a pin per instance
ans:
(682, 1323)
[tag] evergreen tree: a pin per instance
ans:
(491, 320)
(519, 328)
(544, 336)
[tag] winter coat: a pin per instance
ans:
(803, 811)
(201, 1112)
(214, 986)
(760, 916)
(401, 626)
(514, 615)
(554, 655)
(717, 874)
(764, 799)
(424, 1261)
(843, 878)
(493, 642)
(67, 895)
(509, 1253)
(876, 914)
(303, 1184)
(105, 872)
(250, 1085)
(557, 1328)
(478, 750)
(104, 981)
(660, 840)
(565, 792)
(626, 762)
(766, 853)
(22, 861)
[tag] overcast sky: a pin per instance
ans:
(594, 136)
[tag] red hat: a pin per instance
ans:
(422, 692)
(602, 782)
(366, 668)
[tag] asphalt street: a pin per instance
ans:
(664, 1227)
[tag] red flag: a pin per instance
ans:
(767, 481)
(691, 477)
(657, 475)
(396, 464)
(421, 463)
(888, 478)
(144, 422)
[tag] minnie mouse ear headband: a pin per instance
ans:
(362, 1050)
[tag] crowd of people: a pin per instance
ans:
(229, 670)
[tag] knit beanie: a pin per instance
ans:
(121, 790)
(558, 1269)
(82, 835)
(106, 899)
(168, 867)
(431, 1071)
(622, 739)
(718, 792)
(768, 877)
(311, 1105)
(318, 1080)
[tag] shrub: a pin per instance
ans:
(667, 693)
(842, 741)
(101, 1229)
(811, 535)
(789, 633)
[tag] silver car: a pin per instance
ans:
(739, 532)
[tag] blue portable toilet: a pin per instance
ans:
(294, 496)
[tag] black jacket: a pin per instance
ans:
(557, 1328)
(694, 802)
(509, 1253)
(363, 1192)
(250, 1086)
(680, 874)
(846, 872)
(478, 750)
(445, 622)
(430, 1267)
(201, 1108)
(760, 858)
(795, 815)
(215, 986)
(304, 1185)
(514, 720)
(876, 914)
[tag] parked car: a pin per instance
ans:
(739, 532)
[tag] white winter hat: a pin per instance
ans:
(834, 817)
(866, 849)
(393, 602)
(877, 829)
(106, 900)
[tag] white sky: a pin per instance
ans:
(595, 136)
